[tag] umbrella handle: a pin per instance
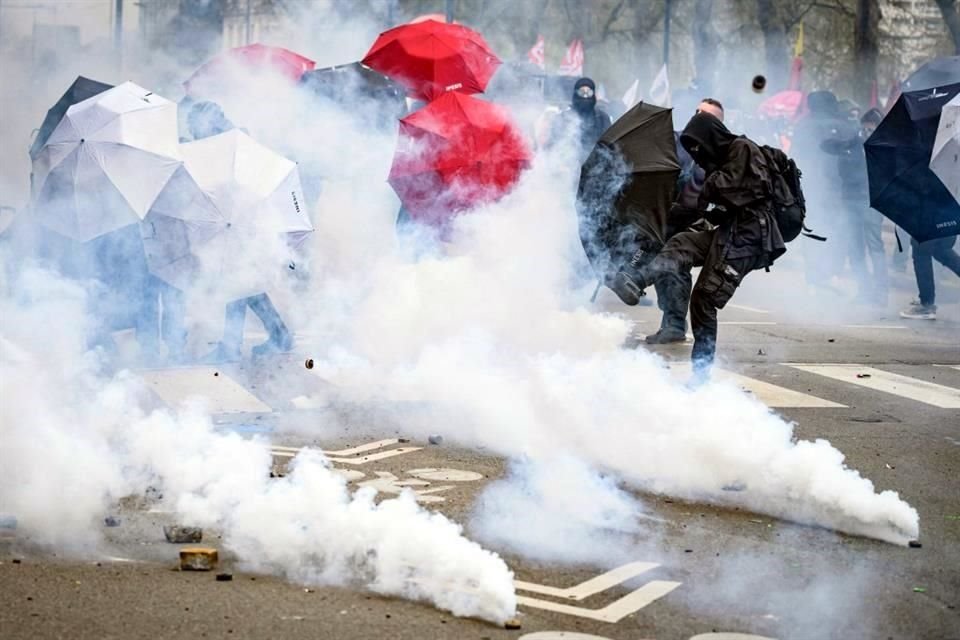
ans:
(593, 298)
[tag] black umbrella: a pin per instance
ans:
(902, 186)
(936, 73)
(627, 185)
(81, 89)
(345, 83)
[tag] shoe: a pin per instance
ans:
(627, 289)
(666, 336)
(273, 346)
(917, 311)
(221, 355)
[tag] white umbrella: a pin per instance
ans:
(228, 219)
(945, 161)
(106, 162)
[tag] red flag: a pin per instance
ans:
(572, 64)
(537, 55)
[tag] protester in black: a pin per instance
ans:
(581, 119)
(739, 186)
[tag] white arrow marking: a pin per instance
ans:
(613, 612)
(592, 586)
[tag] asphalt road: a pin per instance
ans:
(737, 572)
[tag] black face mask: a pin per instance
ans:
(584, 97)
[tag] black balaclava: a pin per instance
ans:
(584, 106)
(707, 140)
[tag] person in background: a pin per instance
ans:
(582, 119)
(204, 120)
(863, 224)
(673, 289)
(925, 307)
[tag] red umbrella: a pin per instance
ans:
(785, 104)
(455, 153)
(253, 58)
(431, 58)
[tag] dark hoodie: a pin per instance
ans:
(738, 181)
(583, 114)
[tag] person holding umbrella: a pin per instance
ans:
(746, 237)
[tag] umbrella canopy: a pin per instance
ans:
(627, 185)
(945, 161)
(455, 153)
(785, 104)
(106, 162)
(81, 89)
(346, 83)
(225, 69)
(431, 58)
(902, 186)
(936, 73)
(230, 214)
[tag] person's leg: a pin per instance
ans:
(673, 297)
(926, 308)
(279, 338)
(942, 250)
(873, 237)
(681, 253)
(857, 250)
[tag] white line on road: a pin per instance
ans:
(875, 326)
(222, 393)
(742, 307)
(613, 612)
(949, 366)
(772, 395)
(893, 383)
(746, 322)
(593, 585)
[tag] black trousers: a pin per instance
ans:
(923, 256)
(717, 282)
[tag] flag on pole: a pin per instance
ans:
(537, 55)
(874, 96)
(796, 67)
(632, 96)
(572, 63)
(660, 89)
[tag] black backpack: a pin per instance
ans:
(790, 207)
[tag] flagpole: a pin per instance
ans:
(666, 33)
(449, 11)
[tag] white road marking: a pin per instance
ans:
(746, 323)
(949, 366)
(729, 636)
(592, 586)
(222, 393)
(613, 612)
(772, 395)
(930, 393)
(560, 635)
(895, 327)
(742, 307)
(386, 482)
(338, 456)
(445, 475)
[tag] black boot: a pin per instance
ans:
(627, 288)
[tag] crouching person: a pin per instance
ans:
(737, 197)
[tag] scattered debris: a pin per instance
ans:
(306, 590)
(736, 486)
(512, 624)
(198, 559)
(224, 577)
(436, 439)
(16, 561)
(309, 363)
(863, 375)
(688, 550)
(180, 535)
(919, 589)
(757, 521)
(831, 340)
(216, 374)
(914, 544)
(403, 440)
(111, 521)
(889, 466)
(761, 352)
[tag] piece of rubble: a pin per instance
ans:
(435, 439)
(914, 544)
(111, 521)
(512, 624)
(181, 535)
(224, 577)
(309, 363)
(198, 559)
(863, 375)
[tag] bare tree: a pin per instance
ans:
(774, 42)
(951, 15)
(866, 36)
(704, 45)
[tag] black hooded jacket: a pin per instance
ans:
(739, 183)
(584, 117)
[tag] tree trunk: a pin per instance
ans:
(704, 46)
(866, 29)
(774, 44)
(951, 15)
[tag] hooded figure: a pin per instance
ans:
(738, 186)
(583, 120)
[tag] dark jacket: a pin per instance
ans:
(739, 183)
(851, 168)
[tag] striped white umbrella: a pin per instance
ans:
(106, 162)
(945, 161)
